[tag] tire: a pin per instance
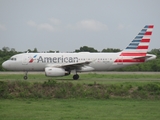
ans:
(76, 77)
(25, 77)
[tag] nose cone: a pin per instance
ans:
(4, 65)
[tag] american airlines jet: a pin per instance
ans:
(62, 64)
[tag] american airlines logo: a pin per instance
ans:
(61, 59)
(32, 59)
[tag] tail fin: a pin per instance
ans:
(139, 45)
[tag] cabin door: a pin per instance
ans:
(25, 59)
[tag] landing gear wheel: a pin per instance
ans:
(75, 77)
(25, 77)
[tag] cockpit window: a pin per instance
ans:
(14, 59)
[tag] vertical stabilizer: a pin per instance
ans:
(139, 45)
(136, 51)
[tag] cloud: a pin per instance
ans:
(91, 25)
(55, 21)
(31, 23)
(43, 26)
(55, 25)
(3, 27)
(121, 26)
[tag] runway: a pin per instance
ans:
(103, 72)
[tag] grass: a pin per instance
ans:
(71, 109)
(88, 78)
(137, 87)
(78, 108)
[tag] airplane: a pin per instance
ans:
(62, 64)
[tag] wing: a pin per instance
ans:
(71, 66)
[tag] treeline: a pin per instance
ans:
(91, 49)
(154, 65)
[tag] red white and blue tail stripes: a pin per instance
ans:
(141, 41)
(137, 49)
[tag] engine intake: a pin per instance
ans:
(55, 72)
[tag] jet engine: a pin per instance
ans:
(55, 72)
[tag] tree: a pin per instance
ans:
(33, 51)
(86, 49)
(51, 51)
(5, 49)
(155, 52)
(111, 50)
(13, 50)
(5, 54)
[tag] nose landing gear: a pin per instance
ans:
(25, 76)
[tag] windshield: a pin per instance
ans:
(13, 58)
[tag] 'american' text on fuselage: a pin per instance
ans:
(61, 59)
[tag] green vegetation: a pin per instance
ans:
(99, 86)
(108, 77)
(86, 49)
(79, 109)
(95, 96)
(52, 89)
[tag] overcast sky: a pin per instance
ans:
(66, 25)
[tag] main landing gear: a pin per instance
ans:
(25, 76)
(76, 76)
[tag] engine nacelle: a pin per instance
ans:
(55, 72)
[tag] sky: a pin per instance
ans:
(67, 25)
